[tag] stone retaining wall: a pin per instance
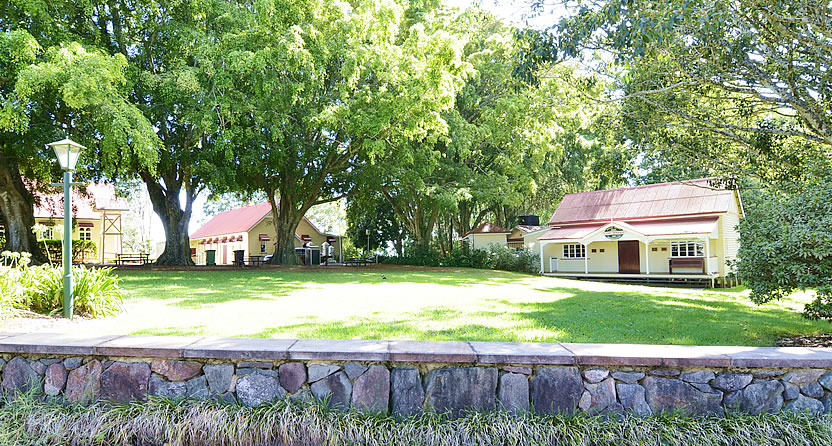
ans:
(406, 377)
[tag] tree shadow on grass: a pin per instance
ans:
(413, 327)
(638, 317)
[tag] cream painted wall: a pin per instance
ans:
(483, 241)
(111, 246)
(531, 241)
(603, 262)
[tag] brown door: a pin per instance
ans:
(628, 259)
(225, 254)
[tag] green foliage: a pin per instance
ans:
(372, 212)
(40, 288)
(786, 244)
(81, 249)
(711, 83)
(495, 257)
(27, 419)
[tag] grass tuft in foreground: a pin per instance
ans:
(23, 420)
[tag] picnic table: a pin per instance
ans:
(256, 260)
(358, 261)
(133, 257)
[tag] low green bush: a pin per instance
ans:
(81, 249)
(40, 288)
(496, 257)
(26, 420)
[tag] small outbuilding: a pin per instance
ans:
(680, 230)
(485, 236)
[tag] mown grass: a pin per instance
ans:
(184, 423)
(434, 304)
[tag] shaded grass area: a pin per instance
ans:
(425, 304)
(184, 423)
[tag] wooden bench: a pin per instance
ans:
(140, 258)
(687, 262)
(256, 260)
(357, 261)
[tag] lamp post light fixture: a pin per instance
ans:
(368, 242)
(67, 152)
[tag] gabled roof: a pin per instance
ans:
(233, 221)
(487, 228)
(651, 228)
(528, 228)
(694, 197)
(239, 220)
(98, 197)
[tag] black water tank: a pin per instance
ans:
(528, 220)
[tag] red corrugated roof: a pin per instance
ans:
(655, 200)
(487, 228)
(99, 196)
(667, 226)
(235, 220)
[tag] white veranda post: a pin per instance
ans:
(647, 256)
(542, 270)
(707, 256)
(586, 258)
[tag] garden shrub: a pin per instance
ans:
(81, 249)
(40, 288)
(496, 257)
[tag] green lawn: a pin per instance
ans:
(415, 303)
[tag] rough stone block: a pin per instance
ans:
(596, 375)
(124, 381)
(292, 376)
(731, 382)
(803, 404)
(826, 381)
(699, 376)
(557, 389)
(407, 392)
(354, 369)
(255, 365)
(37, 366)
(666, 373)
(73, 363)
(266, 372)
(665, 394)
(317, 372)
(254, 390)
(766, 374)
(54, 379)
(335, 389)
(49, 361)
(371, 391)
(628, 377)
(18, 376)
(175, 370)
(83, 384)
(632, 398)
(219, 377)
(790, 391)
(158, 386)
(812, 390)
(301, 395)
(803, 376)
(455, 390)
(513, 393)
(518, 369)
(197, 387)
(601, 396)
(732, 401)
(762, 397)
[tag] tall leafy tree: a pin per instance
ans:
(161, 46)
(739, 86)
(53, 92)
(324, 89)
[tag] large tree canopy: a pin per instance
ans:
(46, 94)
(314, 95)
(738, 85)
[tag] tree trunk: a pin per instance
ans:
(17, 207)
(285, 220)
(175, 220)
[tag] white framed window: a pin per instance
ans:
(262, 247)
(47, 234)
(574, 251)
(84, 233)
(687, 248)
